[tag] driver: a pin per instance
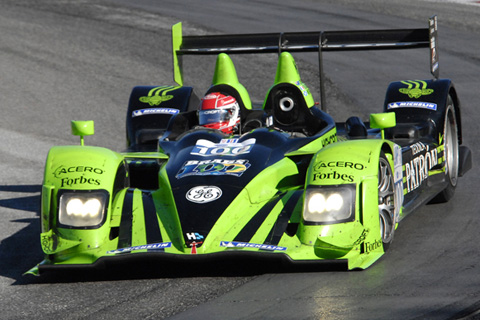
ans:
(219, 111)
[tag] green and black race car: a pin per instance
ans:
(292, 185)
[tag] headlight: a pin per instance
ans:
(82, 209)
(329, 204)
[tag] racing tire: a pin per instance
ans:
(386, 201)
(450, 154)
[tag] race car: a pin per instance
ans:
(287, 183)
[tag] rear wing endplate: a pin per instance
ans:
(320, 41)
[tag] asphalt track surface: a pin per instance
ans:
(62, 60)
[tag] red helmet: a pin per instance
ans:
(219, 111)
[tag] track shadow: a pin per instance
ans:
(21, 251)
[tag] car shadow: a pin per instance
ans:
(29, 203)
(21, 250)
(144, 267)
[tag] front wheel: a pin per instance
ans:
(386, 201)
(450, 154)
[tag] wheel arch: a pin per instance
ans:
(150, 109)
(364, 154)
(343, 157)
(422, 112)
(456, 104)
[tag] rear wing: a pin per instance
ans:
(318, 41)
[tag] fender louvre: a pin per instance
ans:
(281, 224)
(151, 221)
(252, 226)
(125, 232)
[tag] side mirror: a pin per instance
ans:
(82, 128)
(382, 121)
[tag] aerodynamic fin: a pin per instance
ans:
(287, 72)
(225, 74)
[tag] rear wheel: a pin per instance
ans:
(450, 154)
(386, 203)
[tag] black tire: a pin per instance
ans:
(450, 154)
(386, 201)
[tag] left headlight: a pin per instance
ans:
(329, 204)
(82, 209)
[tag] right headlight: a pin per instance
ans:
(82, 209)
(329, 204)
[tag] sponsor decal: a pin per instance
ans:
(433, 51)
(234, 244)
(153, 246)
(333, 175)
(416, 170)
(49, 243)
(194, 246)
(76, 169)
(69, 181)
(398, 179)
(194, 236)
(413, 104)
(397, 161)
(435, 64)
(362, 237)
(193, 241)
(213, 167)
(417, 148)
(157, 95)
(415, 89)
(226, 147)
(269, 121)
(303, 88)
(144, 112)
(338, 164)
(330, 139)
(203, 194)
(372, 246)
(212, 111)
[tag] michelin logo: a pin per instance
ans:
(413, 104)
(144, 112)
(153, 246)
(234, 244)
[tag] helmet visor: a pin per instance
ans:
(211, 116)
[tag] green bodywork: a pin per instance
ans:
(88, 168)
